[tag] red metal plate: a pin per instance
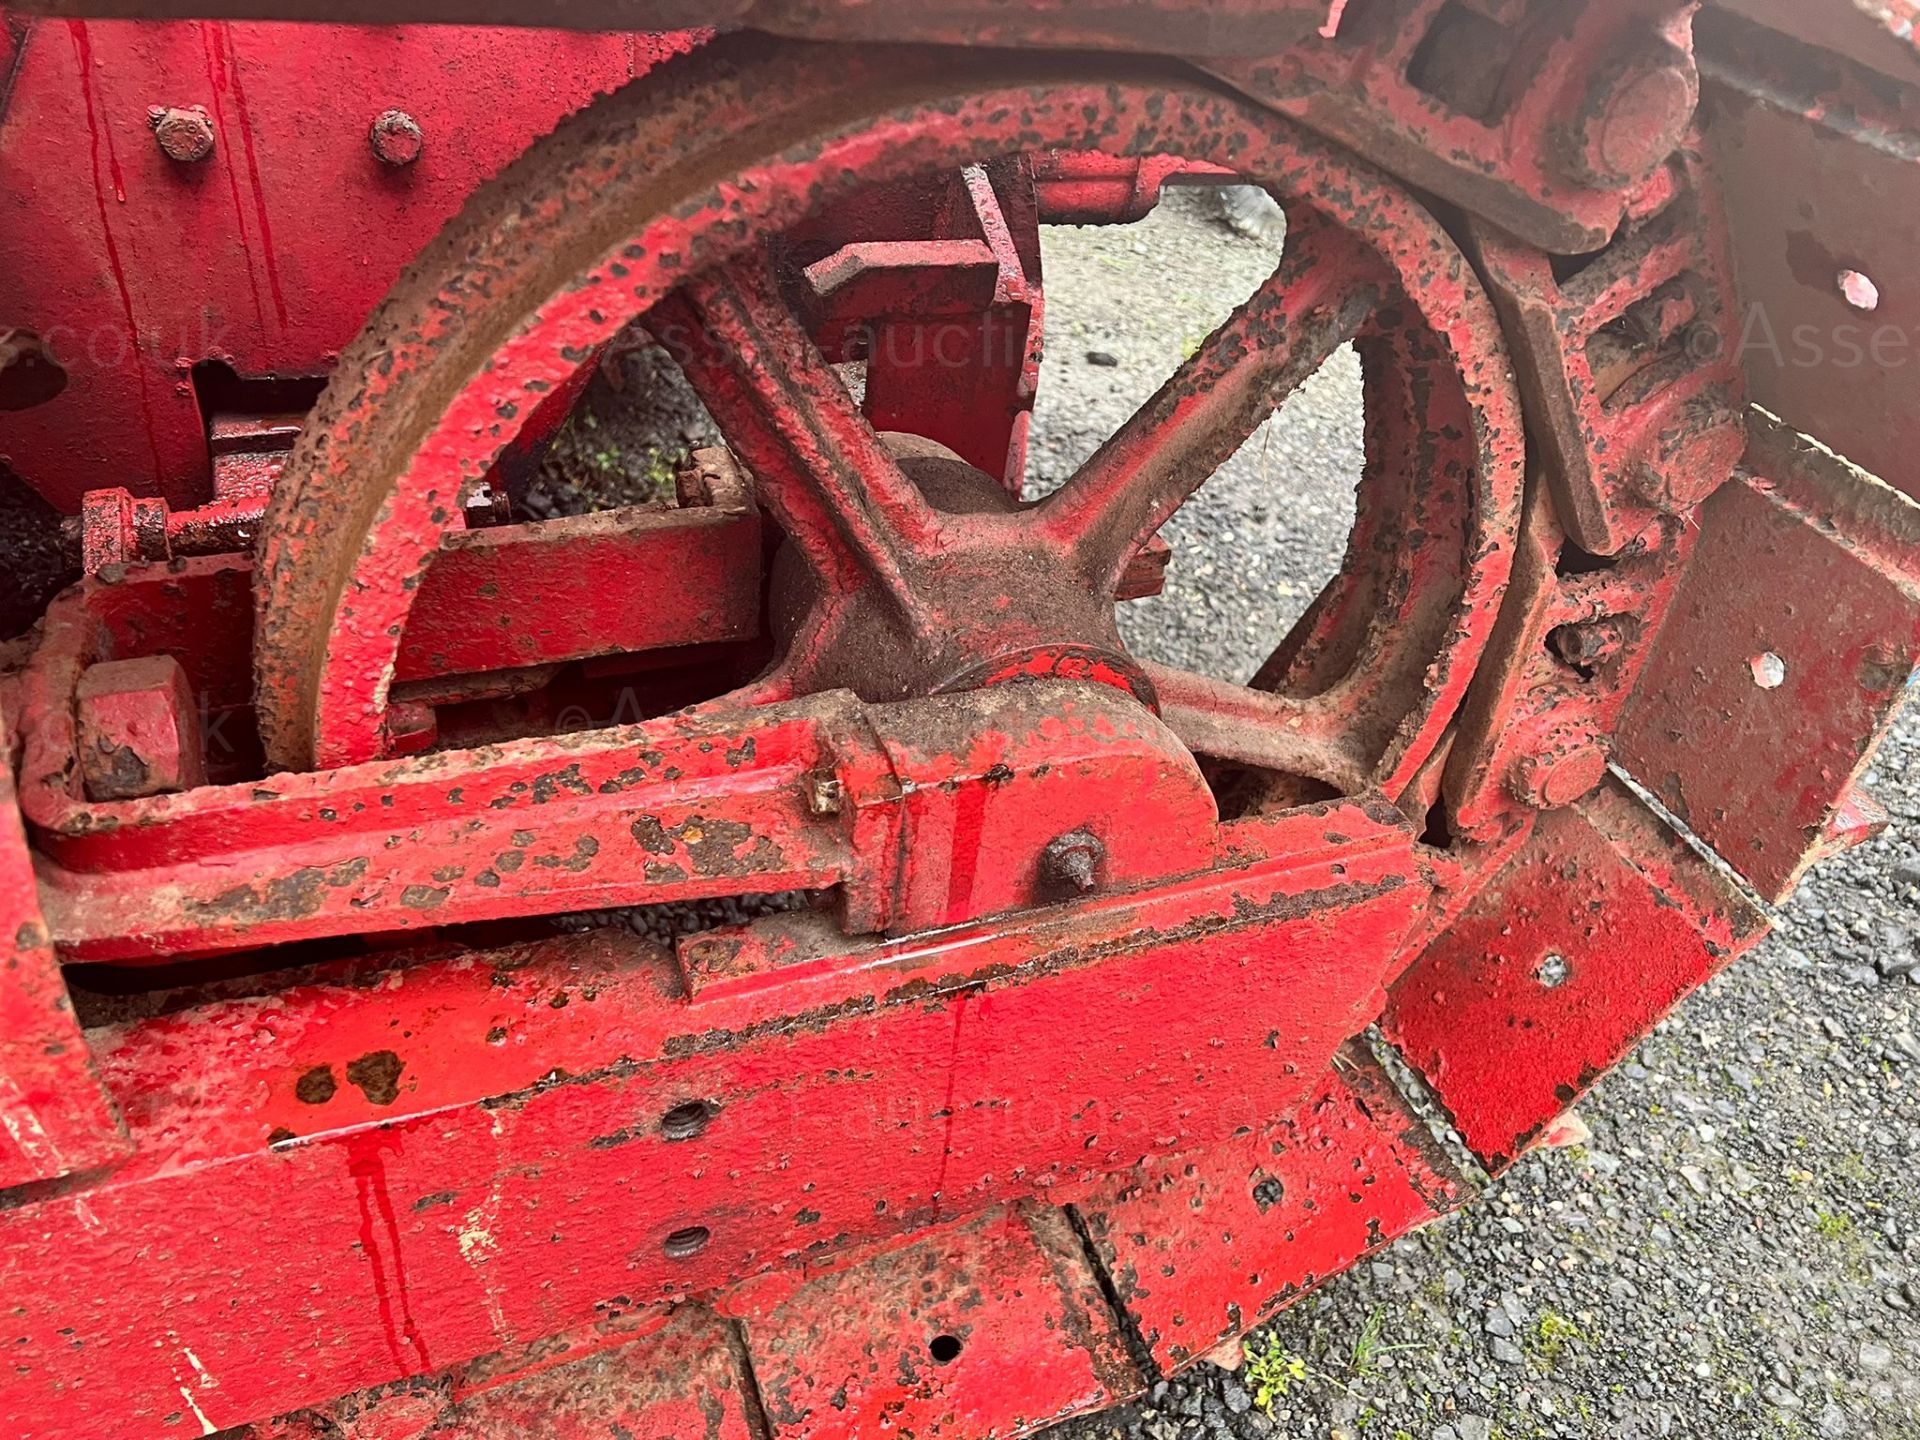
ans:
(687, 1382)
(476, 1151)
(269, 254)
(996, 1328)
(1770, 110)
(1604, 921)
(1204, 1246)
(1791, 647)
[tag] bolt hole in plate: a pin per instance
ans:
(945, 1349)
(686, 1243)
(1553, 972)
(1859, 290)
(687, 1121)
(896, 595)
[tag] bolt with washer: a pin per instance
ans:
(1685, 465)
(1635, 115)
(1566, 771)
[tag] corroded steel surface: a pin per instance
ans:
(1631, 365)
(269, 288)
(1038, 1079)
(894, 576)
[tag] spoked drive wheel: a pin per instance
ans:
(904, 573)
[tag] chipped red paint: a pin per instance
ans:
(904, 598)
(1049, 1086)
(1204, 1245)
(1631, 366)
(434, 1133)
(1601, 924)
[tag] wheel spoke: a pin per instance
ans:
(1315, 302)
(820, 470)
(1258, 729)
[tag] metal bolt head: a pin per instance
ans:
(1589, 644)
(1567, 771)
(1071, 864)
(826, 795)
(397, 138)
(1687, 463)
(1634, 117)
(185, 132)
(139, 730)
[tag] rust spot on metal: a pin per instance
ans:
(289, 897)
(378, 1076)
(317, 1086)
(584, 849)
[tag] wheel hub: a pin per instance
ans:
(1010, 611)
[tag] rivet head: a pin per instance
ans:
(397, 138)
(185, 132)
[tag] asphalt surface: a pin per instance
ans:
(1736, 1253)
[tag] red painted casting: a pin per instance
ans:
(1037, 1077)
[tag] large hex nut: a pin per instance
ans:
(139, 730)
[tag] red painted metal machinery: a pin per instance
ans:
(1082, 1032)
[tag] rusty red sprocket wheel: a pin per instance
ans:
(659, 199)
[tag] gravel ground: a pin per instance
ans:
(1125, 307)
(34, 564)
(1736, 1253)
